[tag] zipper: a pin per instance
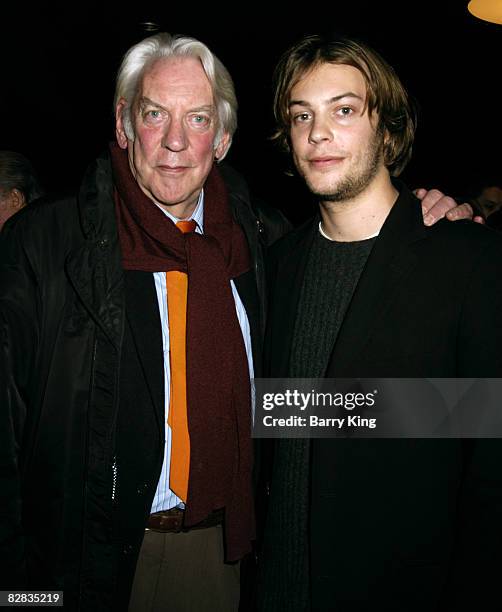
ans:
(114, 477)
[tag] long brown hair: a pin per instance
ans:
(385, 93)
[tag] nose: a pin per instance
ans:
(175, 138)
(319, 130)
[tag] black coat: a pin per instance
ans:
(400, 524)
(70, 519)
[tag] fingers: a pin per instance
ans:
(420, 193)
(429, 198)
(437, 207)
(462, 211)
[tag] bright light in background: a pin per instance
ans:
(488, 10)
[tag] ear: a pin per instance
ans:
(222, 147)
(119, 124)
(17, 199)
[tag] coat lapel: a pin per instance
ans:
(285, 285)
(143, 318)
(390, 261)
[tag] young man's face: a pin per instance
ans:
(335, 144)
(175, 123)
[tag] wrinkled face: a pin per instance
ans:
(175, 123)
(335, 144)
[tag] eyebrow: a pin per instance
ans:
(348, 94)
(144, 101)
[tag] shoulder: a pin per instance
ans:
(298, 238)
(40, 237)
(465, 239)
(295, 237)
(45, 218)
(460, 256)
(247, 208)
(58, 224)
(446, 241)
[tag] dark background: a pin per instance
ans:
(58, 68)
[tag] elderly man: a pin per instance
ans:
(354, 524)
(131, 326)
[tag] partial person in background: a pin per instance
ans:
(19, 184)
(489, 202)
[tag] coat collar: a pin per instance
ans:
(390, 260)
(94, 267)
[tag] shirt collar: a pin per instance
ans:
(197, 215)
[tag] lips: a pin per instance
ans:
(325, 162)
(172, 169)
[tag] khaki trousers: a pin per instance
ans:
(185, 572)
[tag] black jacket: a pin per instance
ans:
(398, 524)
(63, 329)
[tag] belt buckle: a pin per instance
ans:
(169, 521)
(178, 522)
(173, 520)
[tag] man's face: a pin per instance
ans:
(490, 200)
(335, 144)
(175, 123)
(10, 203)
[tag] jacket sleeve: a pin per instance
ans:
(480, 331)
(18, 344)
(477, 557)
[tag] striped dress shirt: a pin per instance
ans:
(164, 498)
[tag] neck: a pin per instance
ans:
(179, 211)
(362, 216)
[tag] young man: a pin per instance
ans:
(376, 524)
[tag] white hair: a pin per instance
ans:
(163, 45)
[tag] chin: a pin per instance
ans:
(323, 188)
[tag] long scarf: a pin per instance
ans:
(218, 387)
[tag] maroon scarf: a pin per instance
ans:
(218, 389)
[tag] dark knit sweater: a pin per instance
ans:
(331, 275)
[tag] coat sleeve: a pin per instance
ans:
(18, 346)
(477, 557)
(480, 332)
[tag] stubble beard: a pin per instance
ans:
(355, 182)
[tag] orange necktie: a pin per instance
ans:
(177, 290)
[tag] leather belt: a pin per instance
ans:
(172, 521)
